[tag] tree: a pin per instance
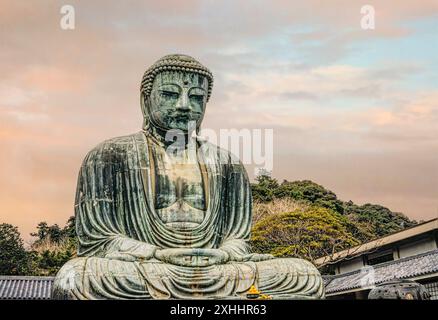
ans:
(367, 222)
(309, 232)
(44, 231)
(379, 221)
(264, 189)
(70, 229)
(14, 260)
(54, 246)
(311, 192)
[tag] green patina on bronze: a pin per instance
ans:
(158, 225)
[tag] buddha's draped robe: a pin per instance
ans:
(115, 213)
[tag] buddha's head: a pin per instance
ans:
(174, 92)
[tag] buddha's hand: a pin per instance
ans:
(192, 257)
(130, 250)
(257, 257)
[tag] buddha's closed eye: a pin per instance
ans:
(169, 94)
(197, 97)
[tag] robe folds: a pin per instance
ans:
(116, 220)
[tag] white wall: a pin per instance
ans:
(351, 265)
(417, 247)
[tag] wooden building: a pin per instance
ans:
(408, 254)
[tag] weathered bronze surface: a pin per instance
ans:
(154, 224)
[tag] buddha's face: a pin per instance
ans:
(178, 98)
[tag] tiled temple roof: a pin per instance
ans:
(405, 268)
(25, 288)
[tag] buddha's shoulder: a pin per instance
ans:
(114, 148)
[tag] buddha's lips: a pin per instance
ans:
(186, 116)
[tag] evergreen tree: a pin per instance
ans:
(14, 260)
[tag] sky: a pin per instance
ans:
(351, 109)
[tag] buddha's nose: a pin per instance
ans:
(183, 103)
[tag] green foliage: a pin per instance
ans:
(380, 220)
(276, 233)
(54, 247)
(70, 228)
(54, 232)
(49, 260)
(311, 192)
(305, 233)
(265, 188)
(14, 260)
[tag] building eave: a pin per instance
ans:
(350, 253)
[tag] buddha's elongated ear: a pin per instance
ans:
(145, 103)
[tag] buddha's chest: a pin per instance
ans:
(179, 190)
